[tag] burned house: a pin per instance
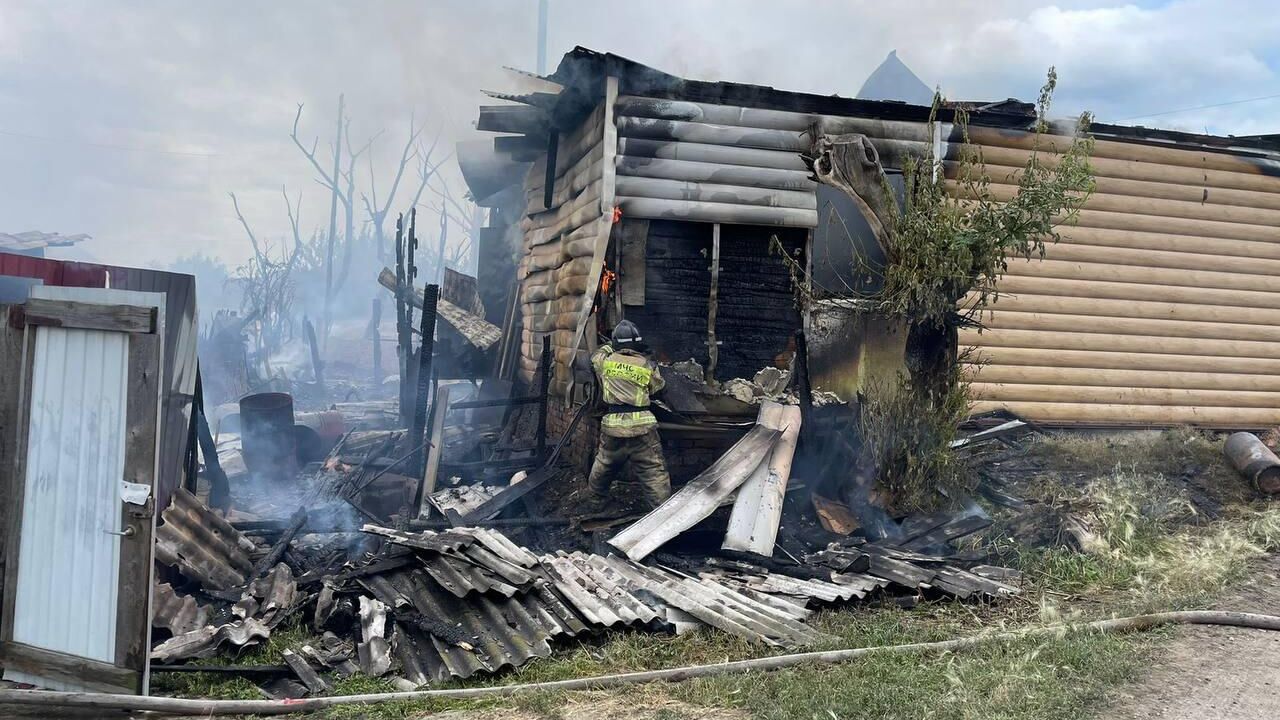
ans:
(619, 191)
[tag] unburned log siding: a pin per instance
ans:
(1158, 307)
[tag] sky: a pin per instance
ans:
(132, 120)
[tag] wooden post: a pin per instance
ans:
(374, 334)
(425, 351)
(317, 365)
(713, 345)
(544, 389)
(439, 409)
(802, 380)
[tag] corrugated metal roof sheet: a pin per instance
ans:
(176, 613)
(477, 633)
(600, 594)
(36, 240)
(202, 545)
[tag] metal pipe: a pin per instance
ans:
(205, 707)
(1254, 460)
(660, 188)
(716, 212)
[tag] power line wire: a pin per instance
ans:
(1201, 107)
(106, 145)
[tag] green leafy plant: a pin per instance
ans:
(954, 238)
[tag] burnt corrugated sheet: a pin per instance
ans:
(202, 545)
(477, 633)
(598, 591)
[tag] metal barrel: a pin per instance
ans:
(1254, 460)
(267, 435)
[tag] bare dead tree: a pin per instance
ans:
(378, 211)
(329, 179)
(267, 283)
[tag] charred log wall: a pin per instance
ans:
(757, 316)
(677, 285)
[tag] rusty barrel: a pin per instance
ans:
(267, 435)
(1254, 460)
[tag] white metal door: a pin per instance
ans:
(69, 553)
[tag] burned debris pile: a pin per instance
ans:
(427, 606)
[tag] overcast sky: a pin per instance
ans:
(132, 120)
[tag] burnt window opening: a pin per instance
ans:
(677, 285)
(756, 304)
(757, 316)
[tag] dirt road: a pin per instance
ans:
(1214, 673)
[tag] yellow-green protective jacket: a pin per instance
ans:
(627, 379)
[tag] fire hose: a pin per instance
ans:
(185, 706)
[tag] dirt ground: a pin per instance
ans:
(1208, 673)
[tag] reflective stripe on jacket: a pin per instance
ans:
(626, 378)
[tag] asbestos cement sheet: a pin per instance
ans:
(698, 499)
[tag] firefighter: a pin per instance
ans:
(628, 431)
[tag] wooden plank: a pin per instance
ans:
(98, 676)
(631, 270)
(439, 410)
(17, 486)
(495, 504)
(91, 316)
(713, 304)
(10, 419)
(141, 460)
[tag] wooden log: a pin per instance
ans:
(1049, 322)
(1121, 378)
(1094, 307)
(702, 152)
(715, 212)
(1075, 235)
(1133, 415)
(1073, 252)
(1126, 360)
(712, 172)
(1137, 205)
(645, 187)
(1132, 151)
(1119, 343)
(893, 150)
(1013, 284)
(1176, 277)
(1200, 192)
(1124, 396)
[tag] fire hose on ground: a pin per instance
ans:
(185, 706)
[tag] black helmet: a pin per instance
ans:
(626, 334)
